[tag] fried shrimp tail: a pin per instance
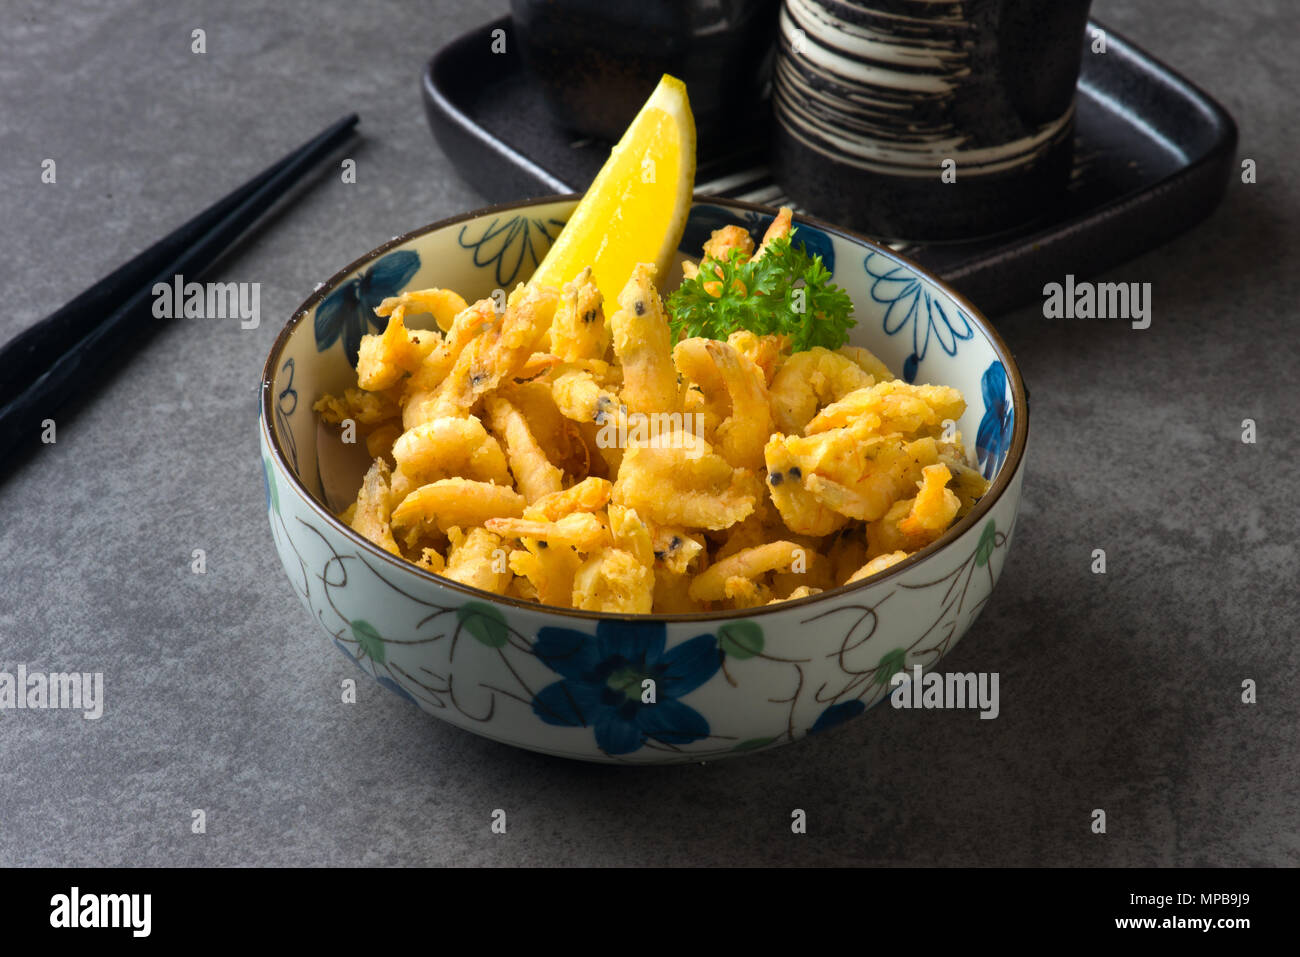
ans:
(578, 330)
(371, 515)
(533, 471)
(643, 344)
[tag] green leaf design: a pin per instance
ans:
(371, 643)
(753, 743)
(271, 486)
(891, 664)
(484, 622)
(741, 639)
(987, 543)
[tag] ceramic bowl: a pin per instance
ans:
(546, 679)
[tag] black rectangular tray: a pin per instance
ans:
(1153, 155)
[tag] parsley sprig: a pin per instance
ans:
(765, 297)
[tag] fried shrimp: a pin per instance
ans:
(581, 398)
(893, 406)
(719, 247)
(631, 534)
(549, 569)
(542, 451)
(913, 523)
(384, 359)
(749, 563)
(581, 530)
(735, 395)
(672, 593)
(363, 408)
(548, 426)
(741, 434)
(422, 388)
(706, 392)
(684, 486)
(722, 241)
(801, 511)
(578, 330)
(477, 559)
(643, 344)
(766, 352)
(808, 380)
(612, 580)
(867, 361)
(589, 495)
(779, 228)
(449, 447)
(744, 592)
(674, 548)
(443, 304)
(934, 507)
(856, 477)
(877, 565)
(533, 471)
(803, 591)
(497, 353)
(431, 560)
(371, 517)
(457, 501)
(967, 482)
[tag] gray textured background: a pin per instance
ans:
(1119, 691)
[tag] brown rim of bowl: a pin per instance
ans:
(1009, 468)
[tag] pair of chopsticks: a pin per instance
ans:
(44, 366)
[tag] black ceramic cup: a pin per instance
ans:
(916, 120)
(597, 61)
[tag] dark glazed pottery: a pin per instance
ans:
(921, 121)
(1153, 156)
(597, 61)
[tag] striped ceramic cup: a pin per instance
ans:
(927, 119)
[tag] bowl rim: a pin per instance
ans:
(1010, 467)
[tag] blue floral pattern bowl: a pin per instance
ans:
(568, 682)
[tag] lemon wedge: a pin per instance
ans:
(635, 209)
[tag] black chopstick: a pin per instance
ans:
(46, 364)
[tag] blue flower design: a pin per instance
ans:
(601, 683)
(910, 303)
(994, 436)
(508, 245)
(704, 219)
(837, 714)
(349, 311)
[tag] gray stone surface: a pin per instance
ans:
(1119, 691)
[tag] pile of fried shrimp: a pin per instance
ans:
(515, 450)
